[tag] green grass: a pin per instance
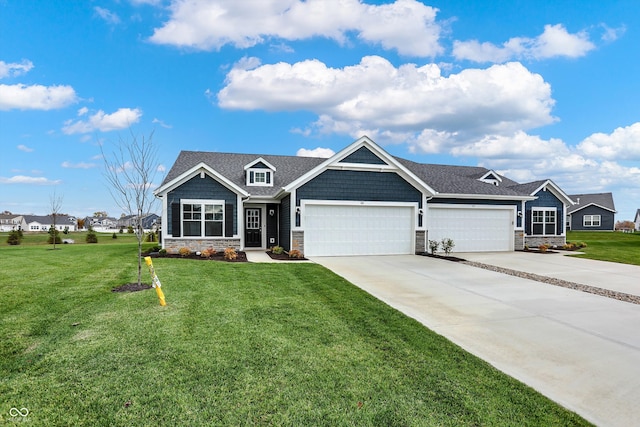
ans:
(237, 344)
(608, 246)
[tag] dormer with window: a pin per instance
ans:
(260, 173)
(491, 177)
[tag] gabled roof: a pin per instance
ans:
(292, 171)
(534, 187)
(637, 216)
(602, 200)
(46, 219)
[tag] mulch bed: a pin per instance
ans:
(219, 256)
(131, 287)
(284, 257)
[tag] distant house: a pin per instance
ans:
(149, 221)
(101, 223)
(10, 222)
(637, 220)
(592, 212)
(44, 223)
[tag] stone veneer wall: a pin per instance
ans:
(535, 241)
(297, 240)
(421, 241)
(173, 245)
(518, 240)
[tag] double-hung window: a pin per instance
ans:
(591, 220)
(260, 177)
(544, 221)
(202, 218)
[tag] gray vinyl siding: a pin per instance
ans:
(545, 199)
(363, 155)
(202, 188)
(359, 186)
(607, 219)
(272, 224)
(285, 223)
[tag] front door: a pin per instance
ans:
(252, 228)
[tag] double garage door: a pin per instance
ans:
(476, 229)
(335, 230)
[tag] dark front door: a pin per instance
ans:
(252, 228)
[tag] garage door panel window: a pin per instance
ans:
(544, 221)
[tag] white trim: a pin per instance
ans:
(259, 160)
(557, 191)
(263, 226)
(596, 205)
(392, 166)
(544, 223)
(267, 173)
(592, 216)
(201, 202)
(483, 197)
(305, 202)
(185, 176)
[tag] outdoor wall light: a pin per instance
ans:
(272, 212)
(420, 211)
(298, 210)
(520, 214)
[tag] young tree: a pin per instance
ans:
(130, 171)
(56, 204)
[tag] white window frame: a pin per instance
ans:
(544, 221)
(202, 217)
(254, 172)
(591, 222)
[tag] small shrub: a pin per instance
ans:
(277, 250)
(150, 237)
(66, 230)
(447, 246)
(294, 253)
(433, 246)
(54, 234)
(114, 236)
(582, 245)
(121, 230)
(208, 253)
(230, 254)
(543, 248)
(91, 236)
(162, 252)
(130, 229)
(569, 246)
(526, 247)
(184, 252)
(14, 238)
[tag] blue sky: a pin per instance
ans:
(545, 89)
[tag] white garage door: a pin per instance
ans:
(477, 229)
(332, 230)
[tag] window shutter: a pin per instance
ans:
(250, 177)
(268, 177)
(175, 219)
(228, 219)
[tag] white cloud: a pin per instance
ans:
(376, 97)
(100, 121)
(519, 145)
(36, 97)
(316, 152)
(22, 179)
(80, 165)
(161, 123)
(612, 34)
(24, 148)
(622, 143)
(14, 69)
(106, 15)
(555, 41)
(407, 26)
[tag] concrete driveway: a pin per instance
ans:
(580, 350)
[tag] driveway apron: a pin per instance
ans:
(578, 349)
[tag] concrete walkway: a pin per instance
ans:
(579, 349)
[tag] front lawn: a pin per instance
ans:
(608, 246)
(237, 344)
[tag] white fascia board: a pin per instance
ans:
(557, 191)
(483, 196)
(261, 200)
(260, 160)
(332, 163)
(491, 172)
(596, 205)
(201, 167)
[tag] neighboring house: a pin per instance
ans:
(44, 223)
(12, 222)
(637, 220)
(592, 212)
(149, 221)
(100, 223)
(361, 201)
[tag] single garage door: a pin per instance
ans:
(334, 230)
(473, 229)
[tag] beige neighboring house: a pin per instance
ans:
(10, 222)
(43, 223)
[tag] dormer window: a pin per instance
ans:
(260, 173)
(491, 178)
